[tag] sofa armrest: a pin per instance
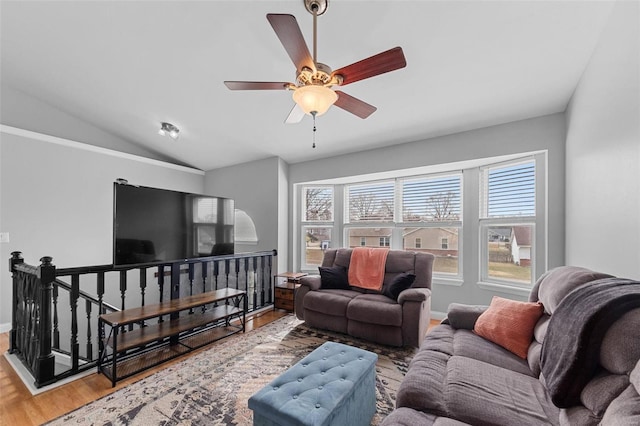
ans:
(418, 294)
(311, 281)
(464, 316)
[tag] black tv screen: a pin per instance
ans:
(151, 225)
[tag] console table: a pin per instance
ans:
(183, 325)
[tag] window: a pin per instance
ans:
(368, 237)
(317, 240)
(501, 243)
(431, 213)
(371, 202)
(318, 204)
(317, 222)
(507, 222)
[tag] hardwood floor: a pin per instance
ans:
(19, 408)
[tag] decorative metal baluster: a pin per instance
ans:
(56, 330)
(143, 284)
(255, 282)
(161, 287)
(89, 337)
(216, 272)
(269, 275)
(203, 273)
(191, 274)
(246, 273)
(237, 265)
(101, 310)
(123, 294)
(226, 272)
(73, 302)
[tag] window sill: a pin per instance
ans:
(504, 288)
(455, 282)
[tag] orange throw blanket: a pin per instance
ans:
(366, 268)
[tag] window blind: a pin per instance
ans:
(509, 191)
(371, 202)
(431, 199)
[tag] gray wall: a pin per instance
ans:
(538, 134)
(56, 199)
(603, 153)
(260, 189)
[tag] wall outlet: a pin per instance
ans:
(4, 237)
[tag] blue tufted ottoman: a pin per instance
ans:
(333, 385)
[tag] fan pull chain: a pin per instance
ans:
(314, 129)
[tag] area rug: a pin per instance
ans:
(212, 387)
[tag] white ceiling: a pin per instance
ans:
(126, 66)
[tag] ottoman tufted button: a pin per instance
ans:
(320, 387)
(341, 365)
(295, 396)
(304, 365)
(318, 405)
(342, 353)
(360, 358)
(299, 379)
(322, 372)
(324, 358)
(275, 388)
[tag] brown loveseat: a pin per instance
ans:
(370, 314)
(581, 367)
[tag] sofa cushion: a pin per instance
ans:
(375, 309)
(464, 316)
(333, 277)
(555, 284)
(400, 283)
(509, 323)
(330, 302)
(601, 390)
(624, 410)
(611, 357)
(479, 393)
(468, 344)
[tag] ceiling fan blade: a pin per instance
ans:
(381, 63)
(295, 116)
(354, 105)
(288, 31)
(256, 85)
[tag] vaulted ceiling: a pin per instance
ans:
(126, 66)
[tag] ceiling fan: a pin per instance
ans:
(313, 90)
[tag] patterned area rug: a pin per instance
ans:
(212, 387)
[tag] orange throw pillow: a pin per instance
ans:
(510, 324)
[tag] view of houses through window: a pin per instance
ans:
(424, 213)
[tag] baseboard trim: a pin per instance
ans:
(437, 315)
(5, 327)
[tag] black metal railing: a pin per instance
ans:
(54, 328)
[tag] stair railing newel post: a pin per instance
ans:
(16, 259)
(44, 368)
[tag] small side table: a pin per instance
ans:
(285, 291)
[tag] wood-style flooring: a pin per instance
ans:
(19, 408)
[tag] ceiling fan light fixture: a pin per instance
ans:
(314, 98)
(168, 129)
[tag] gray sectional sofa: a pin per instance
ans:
(581, 368)
(370, 314)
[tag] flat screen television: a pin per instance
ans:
(151, 224)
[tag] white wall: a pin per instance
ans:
(603, 153)
(260, 189)
(538, 134)
(56, 199)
